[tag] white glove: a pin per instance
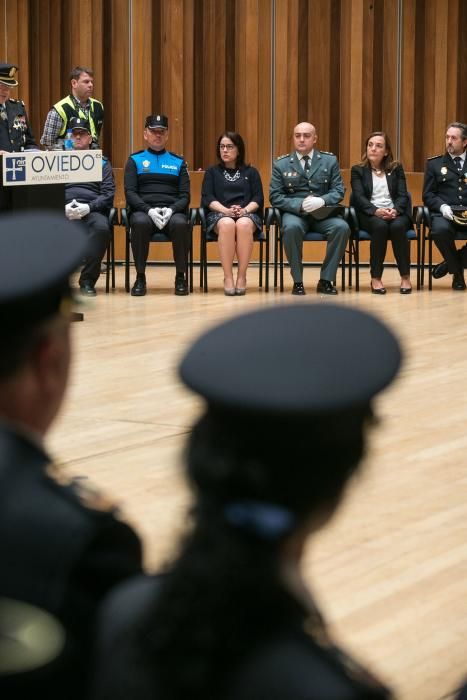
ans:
(311, 203)
(166, 214)
(83, 210)
(446, 211)
(156, 216)
(71, 210)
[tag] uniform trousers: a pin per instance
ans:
(444, 232)
(381, 231)
(177, 230)
(336, 232)
(98, 232)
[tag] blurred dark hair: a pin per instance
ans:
(224, 593)
(388, 164)
(238, 141)
(459, 125)
(78, 70)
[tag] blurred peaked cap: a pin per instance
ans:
(78, 123)
(7, 74)
(294, 359)
(156, 121)
(38, 252)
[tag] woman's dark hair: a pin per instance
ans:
(238, 141)
(224, 593)
(388, 164)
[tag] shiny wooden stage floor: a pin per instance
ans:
(390, 571)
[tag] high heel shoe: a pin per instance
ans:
(379, 290)
(405, 290)
(229, 291)
(240, 291)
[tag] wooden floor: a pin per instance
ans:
(391, 570)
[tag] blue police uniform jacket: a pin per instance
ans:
(156, 178)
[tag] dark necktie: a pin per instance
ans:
(306, 160)
(457, 160)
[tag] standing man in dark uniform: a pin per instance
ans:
(79, 103)
(445, 195)
(62, 546)
(90, 202)
(15, 131)
(157, 188)
(304, 186)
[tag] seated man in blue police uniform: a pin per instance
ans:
(445, 195)
(305, 185)
(90, 202)
(62, 546)
(157, 188)
(15, 131)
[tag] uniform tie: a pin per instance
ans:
(306, 160)
(458, 161)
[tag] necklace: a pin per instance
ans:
(378, 171)
(232, 178)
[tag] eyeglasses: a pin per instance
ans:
(226, 146)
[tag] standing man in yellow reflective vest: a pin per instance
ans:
(78, 104)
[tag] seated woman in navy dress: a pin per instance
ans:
(233, 195)
(379, 194)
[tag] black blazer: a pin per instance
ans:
(362, 189)
(217, 188)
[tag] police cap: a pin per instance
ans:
(76, 123)
(294, 359)
(156, 121)
(38, 251)
(7, 74)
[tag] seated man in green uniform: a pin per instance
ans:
(79, 103)
(305, 185)
(62, 546)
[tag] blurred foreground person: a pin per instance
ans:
(283, 432)
(61, 545)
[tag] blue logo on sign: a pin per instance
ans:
(15, 169)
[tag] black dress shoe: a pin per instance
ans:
(87, 289)
(298, 289)
(458, 282)
(326, 287)
(139, 287)
(440, 270)
(405, 290)
(181, 285)
(377, 290)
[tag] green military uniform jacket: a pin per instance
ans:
(290, 185)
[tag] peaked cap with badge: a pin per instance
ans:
(156, 121)
(15, 130)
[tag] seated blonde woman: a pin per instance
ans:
(233, 195)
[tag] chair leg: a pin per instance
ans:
(357, 264)
(276, 254)
(430, 263)
(112, 255)
(261, 263)
(107, 271)
(281, 264)
(266, 287)
(127, 261)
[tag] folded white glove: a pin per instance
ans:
(71, 210)
(83, 210)
(156, 216)
(311, 203)
(166, 214)
(446, 211)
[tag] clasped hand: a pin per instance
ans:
(387, 214)
(236, 211)
(160, 216)
(311, 203)
(75, 210)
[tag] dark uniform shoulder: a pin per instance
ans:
(327, 153)
(286, 155)
(16, 102)
(136, 152)
(177, 155)
(434, 157)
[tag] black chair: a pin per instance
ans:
(360, 235)
(423, 221)
(110, 258)
(261, 237)
(310, 237)
(157, 237)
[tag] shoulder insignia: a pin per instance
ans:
(286, 155)
(327, 153)
(438, 156)
(10, 99)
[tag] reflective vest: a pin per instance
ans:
(67, 109)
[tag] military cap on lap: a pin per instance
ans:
(38, 252)
(296, 359)
(7, 74)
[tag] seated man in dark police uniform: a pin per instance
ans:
(305, 185)
(157, 188)
(90, 202)
(79, 103)
(445, 195)
(15, 131)
(62, 546)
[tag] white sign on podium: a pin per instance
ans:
(51, 167)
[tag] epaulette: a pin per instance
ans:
(327, 153)
(284, 156)
(20, 102)
(438, 156)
